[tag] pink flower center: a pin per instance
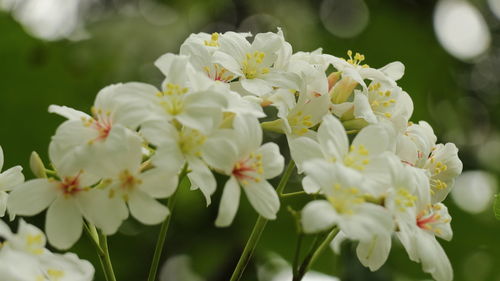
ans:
(249, 169)
(103, 127)
(71, 185)
(423, 222)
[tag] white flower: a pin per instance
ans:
(418, 237)
(353, 68)
(299, 115)
(23, 257)
(178, 147)
(415, 144)
(345, 203)
(417, 147)
(297, 118)
(401, 196)
(201, 47)
(367, 153)
(444, 166)
(126, 182)
(307, 113)
(418, 221)
(8, 180)
(382, 101)
(255, 64)
(68, 198)
(249, 165)
(86, 140)
(187, 96)
(28, 239)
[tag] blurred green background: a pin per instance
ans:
(63, 52)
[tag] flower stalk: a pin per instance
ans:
(100, 244)
(258, 228)
(163, 230)
(106, 259)
(316, 251)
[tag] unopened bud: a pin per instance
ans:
(273, 126)
(36, 165)
(332, 79)
(355, 124)
(342, 90)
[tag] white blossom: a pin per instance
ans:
(8, 180)
(23, 257)
(249, 164)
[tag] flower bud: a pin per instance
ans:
(36, 165)
(342, 90)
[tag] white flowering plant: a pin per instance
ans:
(370, 173)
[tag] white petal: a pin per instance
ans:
(303, 149)
(228, 62)
(1, 158)
(68, 112)
(18, 265)
(272, 161)
(146, 209)
(373, 253)
(248, 133)
(73, 268)
(159, 183)
(284, 80)
(3, 203)
(169, 157)
(121, 150)
(363, 109)
(337, 241)
(11, 178)
(263, 198)
(220, 151)
(256, 86)
(318, 215)
(376, 139)
(174, 67)
(368, 220)
(268, 43)
(434, 259)
(104, 211)
(341, 108)
(32, 197)
(229, 203)
(310, 186)
(203, 119)
(64, 223)
(394, 70)
(325, 174)
(333, 138)
(234, 44)
(159, 131)
(201, 177)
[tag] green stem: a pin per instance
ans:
(352, 132)
(313, 256)
(295, 265)
(292, 194)
(93, 236)
(103, 241)
(258, 228)
(163, 230)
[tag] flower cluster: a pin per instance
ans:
(347, 125)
